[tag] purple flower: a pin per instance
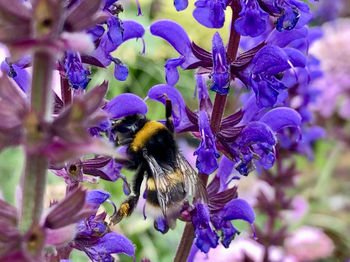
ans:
(93, 235)
(206, 238)
(258, 139)
(178, 38)
(180, 4)
(179, 113)
(76, 73)
(124, 105)
(18, 72)
(216, 217)
(207, 152)
(210, 13)
(252, 19)
(118, 33)
(261, 73)
(220, 74)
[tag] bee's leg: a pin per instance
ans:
(168, 110)
(128, 206)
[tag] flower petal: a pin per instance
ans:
(174, 34)
(124, 105)
(281, 117)
(256, 132)
(238, 209)
(210, 13)
(111, 243)
(180, 4)
(179, 115)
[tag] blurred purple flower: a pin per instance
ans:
(18, 72)
(333, 50)
(76, 73)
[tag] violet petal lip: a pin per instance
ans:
(180, 118)
(124, 105)
(256, 132)
(174, 34)
(238, 209)
(113, 243)
(97, 197)
(270, 60)
(281, 117)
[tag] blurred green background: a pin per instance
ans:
(325, 183)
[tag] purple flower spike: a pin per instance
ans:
(207, 152)
(179, 115)
(180, 4)
(220, 72)
(252, 19)
(210, 13)
(124, 105)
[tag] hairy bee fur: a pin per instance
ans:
(154, 154)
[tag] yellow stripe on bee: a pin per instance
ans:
(151, 185)
(146, 132)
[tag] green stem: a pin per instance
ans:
(34, 176)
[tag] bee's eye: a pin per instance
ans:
(123, 128)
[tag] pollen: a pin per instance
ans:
(124, 209)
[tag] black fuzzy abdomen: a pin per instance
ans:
(162, 147)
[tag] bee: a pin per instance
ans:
(154, 154)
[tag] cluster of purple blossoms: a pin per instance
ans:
(70, 37)
(57, 130)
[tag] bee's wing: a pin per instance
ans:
(193, 184)
(162, 183)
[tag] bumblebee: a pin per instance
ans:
(153, 153)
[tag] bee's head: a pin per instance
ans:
(128, 126)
